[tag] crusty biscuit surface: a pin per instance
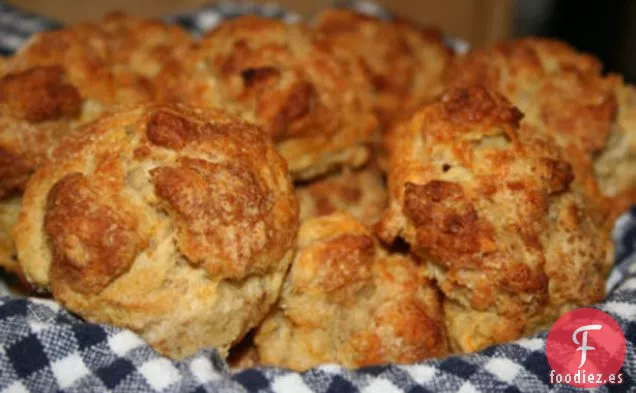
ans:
(346, 300)
(177, 223)
(563, 93)
(404, 62)
(492, 209)
(9, 212)
(37, 107)
(286, 79)
(361, 193)
(142, 46)
(62, 78)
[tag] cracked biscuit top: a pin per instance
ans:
(288, 80)
(65, 77)
(563, 93)
(492, 209)
(162, 218)
(348, 301)
(404, 62)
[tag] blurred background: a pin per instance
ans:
(599, 27)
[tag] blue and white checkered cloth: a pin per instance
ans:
(43, 348)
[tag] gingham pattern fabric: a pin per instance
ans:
(43, 348)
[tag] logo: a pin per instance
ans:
(584, 346)
(585, 349)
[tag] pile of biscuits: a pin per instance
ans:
(348, 191)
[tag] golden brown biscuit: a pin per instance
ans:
(361, 193)
(177, 223)
(57, 79)
(66, 77)
(83, 57)
(491, 209)
(562, 93)
(286, 79)
(404, 62)
(37, 107)
(107, 61)
(143, 46)
(347, 301)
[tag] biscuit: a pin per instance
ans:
(84, 59)
(347, 301)
(286, 79)
(66, 77)
(492, 210)
(143, 46)
(37, 107)
(361, 193)
(404, 62)
(562, 93)
(174, 222)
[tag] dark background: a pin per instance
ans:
(599, 27)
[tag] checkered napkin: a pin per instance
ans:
(43, 348)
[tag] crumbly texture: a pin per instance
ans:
(347, 301)
(66, 77)
(37, 107)
(286, 79)
(492, 210)
(107, 60)
(177, 223)
(404, 62)
(361, 193)
(142, 46)
(615, 166)
(9, 211)
(563, 93)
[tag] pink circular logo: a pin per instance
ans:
(585, 348)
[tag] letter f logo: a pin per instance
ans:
(584, 347)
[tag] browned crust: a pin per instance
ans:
(66, 77)
(361, 193)
(175, 222)
(347, 301)
(39, 94)
(494, 211)
(404, 62)
(288, 80)
(562, 93)
(93, 243)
